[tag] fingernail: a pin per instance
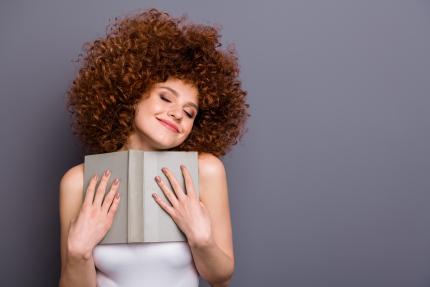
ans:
(116, 181)
(117, 194)
(107, 172)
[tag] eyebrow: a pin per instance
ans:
(176, 94)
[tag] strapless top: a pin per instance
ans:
(145, 265)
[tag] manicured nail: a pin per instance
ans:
(107, 172)
(116, 181)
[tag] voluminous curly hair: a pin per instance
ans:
(144, 49)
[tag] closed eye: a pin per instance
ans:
(167, 100)
(164, 98)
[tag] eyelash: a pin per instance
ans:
(163, 98)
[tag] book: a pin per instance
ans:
(139, 218)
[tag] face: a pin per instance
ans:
(164, 116)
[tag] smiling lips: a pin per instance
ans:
(169, 125)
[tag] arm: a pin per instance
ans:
(75, 269)
(214, 258)
(205, 220)
(81, 233)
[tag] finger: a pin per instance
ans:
(101, 188)
(114, 207)
(189, 186)
(167, 192)
(174, 183)
(89, 195)
(110, 196)
(170, 210)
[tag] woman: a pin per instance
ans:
(153, 83)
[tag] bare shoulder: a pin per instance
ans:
(212, 177)
(210, 167)
(71, 192)
(73, 178)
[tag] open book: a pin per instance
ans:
(139, 217)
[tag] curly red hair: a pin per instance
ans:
(148, 48)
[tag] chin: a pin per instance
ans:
(163, 144)
(160, 139)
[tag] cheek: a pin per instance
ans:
(146, 109)
(142, 118)
(189, 129)
(138, 117)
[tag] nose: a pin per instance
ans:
(176, 112)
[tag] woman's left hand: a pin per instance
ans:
(186, 209)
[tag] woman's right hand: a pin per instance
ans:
(95, 217)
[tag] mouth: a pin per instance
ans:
(168, 126)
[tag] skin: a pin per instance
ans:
(205, 221)
(162, 103)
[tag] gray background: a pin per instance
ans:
(329, 187)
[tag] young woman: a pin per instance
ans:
(153, 83)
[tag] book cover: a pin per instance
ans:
(139, 218)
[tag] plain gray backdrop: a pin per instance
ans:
(330, 185)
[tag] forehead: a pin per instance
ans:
(180, 87)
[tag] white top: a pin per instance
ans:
(145, 265)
